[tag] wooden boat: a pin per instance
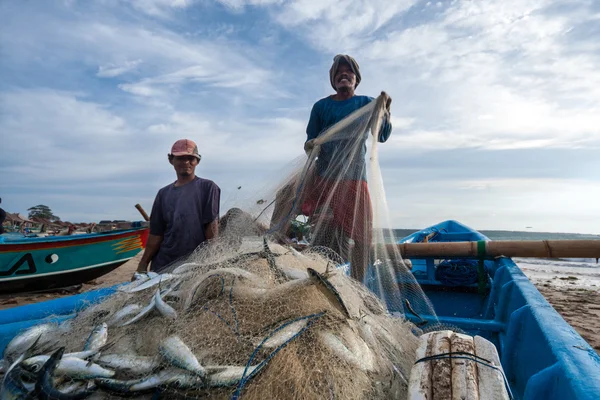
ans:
(57, 261)
(542, 356)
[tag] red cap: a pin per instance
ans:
(185, 147)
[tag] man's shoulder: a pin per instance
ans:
(363, 99)
(205, 183)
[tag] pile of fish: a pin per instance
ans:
(267, 323)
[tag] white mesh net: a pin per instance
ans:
(255, 314)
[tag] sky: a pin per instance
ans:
(495, 113)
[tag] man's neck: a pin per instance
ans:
(182, 180)
(342, 95)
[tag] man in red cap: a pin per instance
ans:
(185, 213)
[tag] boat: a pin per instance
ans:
(36, 263)
(541, 355)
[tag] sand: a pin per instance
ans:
(574, 292)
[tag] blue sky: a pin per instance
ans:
(496, 104)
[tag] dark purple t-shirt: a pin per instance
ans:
(180, 214)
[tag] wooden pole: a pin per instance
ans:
(141, 210)
(496, 248)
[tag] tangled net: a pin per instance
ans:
(248, 315)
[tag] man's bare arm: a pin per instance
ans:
(152, 246)
(211, 230)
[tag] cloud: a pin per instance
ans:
(112, 70)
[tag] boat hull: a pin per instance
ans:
(50, 263)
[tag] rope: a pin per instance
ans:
(472, 357)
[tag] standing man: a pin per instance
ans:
(185, 213)
(340, 182)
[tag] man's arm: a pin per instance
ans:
(152, 246)
(313, 128)
(157, 232)
(211, 230)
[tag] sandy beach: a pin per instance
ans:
(573, 291)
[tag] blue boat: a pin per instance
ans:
(543, 357)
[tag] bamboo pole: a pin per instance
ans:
(497, 248)
(141, 210)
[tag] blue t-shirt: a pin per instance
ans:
(326, 113)
(180, 214)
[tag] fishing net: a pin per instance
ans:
(303, 296)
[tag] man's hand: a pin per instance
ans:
(142, 268)
(388, 101)
(308, 146)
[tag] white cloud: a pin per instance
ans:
(112, 70)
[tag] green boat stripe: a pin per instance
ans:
(67, 271)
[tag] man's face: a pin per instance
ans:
(185, 165)
(344, 78)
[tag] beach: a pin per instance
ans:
(572, 288)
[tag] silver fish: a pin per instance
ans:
(165, 310)
(185, 268)
(285, 334)
(178, 354)
(152, 274)
(97, 338)
(152, 282)
(227, 375)
(71, 367)
(12, 387)
(131, 364)
(137, 276)
(122, 314)
(141, 314)
(25, 340)
(170, 377)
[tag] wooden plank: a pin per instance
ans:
(419, 384)
(464, 372)
(491, 383)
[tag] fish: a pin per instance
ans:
(152, 274)
(74, 368)
(169, 378)
(25, 340)
(44, 386)
(223, 376)
(131, 364)
(122, 314)
(176, 352)
(117, 386)
(293, 273)
(141, 314)
(285, 334)
(422, 321)
(329, 291)
(185, 268)
(338, 348)
(140, 276)
(97, 338)
(163, 308)
(12, 388)
(150, 283)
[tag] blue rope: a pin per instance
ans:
(312, 318)
(472, 357)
